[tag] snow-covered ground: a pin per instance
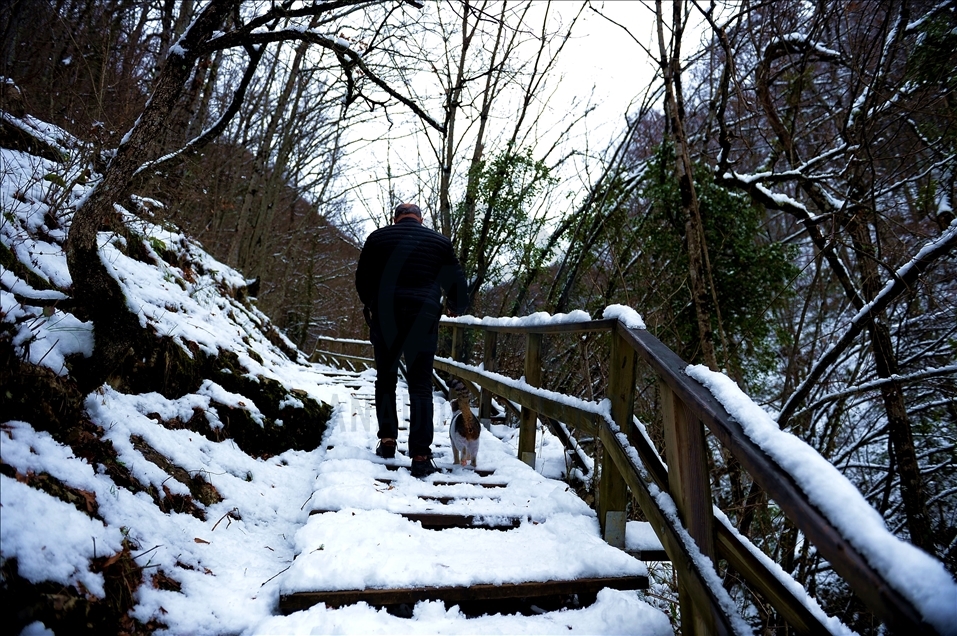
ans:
(219, 567)
(245, 534)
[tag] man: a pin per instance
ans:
(402, 271)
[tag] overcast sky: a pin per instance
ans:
(602, 63)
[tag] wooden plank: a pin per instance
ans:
(289, 603)
(650, 555)
(343, 356)
(529, 418)
(731, 548)
(452, 482)
(481, 472)
(612, 500)
(868, 584)
(446, 499)
(489, 357)
(540, 404)
(458, 344)
(564, 327)
(690, 487)
(345, 341)
(767, 584)
(612, 492)
(441, 521)
(703, 596)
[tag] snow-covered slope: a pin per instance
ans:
(168, 499)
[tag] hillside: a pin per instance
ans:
(176, 497)
(148, 491)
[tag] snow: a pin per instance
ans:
(800, 38)
(538, 319)
(62, 556)
(703, 564)
(353, 559)
(36, 628)
(626, 315)
(916, 575)
(614, 613)
(833, 624)
(233, 557)
(781, 199)
(640, 536)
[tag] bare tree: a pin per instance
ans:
(221, 25)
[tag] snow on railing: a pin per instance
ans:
(908, 589)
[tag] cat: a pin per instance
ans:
(464, 429)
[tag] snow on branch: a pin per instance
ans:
(913, 573)
(799, 43)
(932, 372)
(903, 279)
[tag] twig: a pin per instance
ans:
(223, 517)
(303, 506)
(276, 574)
(147, 552)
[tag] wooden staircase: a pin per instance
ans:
(668, 480)
(471, 525)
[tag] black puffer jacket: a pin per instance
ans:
(408, 262)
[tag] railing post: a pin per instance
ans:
(488, 363)
(458, 343)
(612, 490)
(690, 487)
(528, 418)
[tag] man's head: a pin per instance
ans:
(406, 211)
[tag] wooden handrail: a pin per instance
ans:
(624, 445)
(580, 326)
(864, 580)
(344, 356)
(593, 421)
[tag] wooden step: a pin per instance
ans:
(452, 482)
(289, 603)
(441, 521)
(481, 472)
(446, 499)
(649, 555)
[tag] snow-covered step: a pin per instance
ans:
(642, 543)
(445, 520)
(353, 551)
(492, 595)
(475, 542)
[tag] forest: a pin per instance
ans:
(776, 203)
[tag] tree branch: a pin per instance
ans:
(201, 141)
(903, 279)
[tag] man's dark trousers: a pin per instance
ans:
(409, 330)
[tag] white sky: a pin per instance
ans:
(601, 64)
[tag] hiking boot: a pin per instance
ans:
(423, 466)
(386, 448)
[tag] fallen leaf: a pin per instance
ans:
(198, 540)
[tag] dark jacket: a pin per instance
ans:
(407, 263)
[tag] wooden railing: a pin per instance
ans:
(351, 361)
(629, 462)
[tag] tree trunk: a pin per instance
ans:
(96, 292)
(885, 362)
(694, 228)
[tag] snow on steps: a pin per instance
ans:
(380, 536)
